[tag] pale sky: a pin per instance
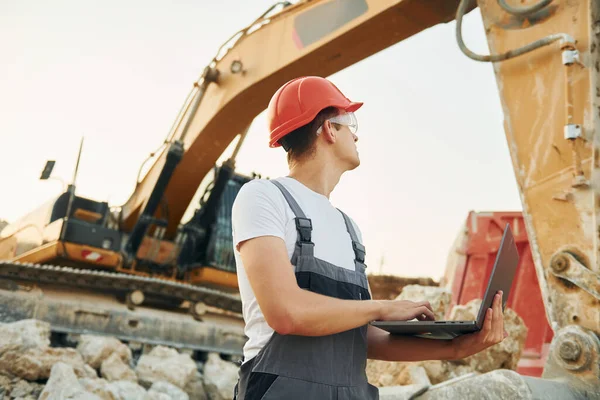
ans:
(431, 139)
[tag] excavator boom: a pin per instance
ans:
(308, 38)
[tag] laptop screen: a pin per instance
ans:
(502, 274)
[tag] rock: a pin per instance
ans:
(220, 377)
(506, 354)
(114, 369)
(384, 373)
(97, 386)
(439, 371)
(9, 341)
(195, 387)
(96, 349)
(157, 396)
(125, 390)
(90, 372)
(26, 389)
(171, 391)
(418, 375)
(19, 336)
(165, 364)
(63, 385)
(5, 386)
(36, 363)
(496, 385)
(388, 287)
(33, 333)
(438, 297)
(401, 392)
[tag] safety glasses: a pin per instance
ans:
(347, 119)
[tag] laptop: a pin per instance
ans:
(501, 278)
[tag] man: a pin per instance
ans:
(301, 271)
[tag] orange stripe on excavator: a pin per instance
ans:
(71, 251)
(206, 276)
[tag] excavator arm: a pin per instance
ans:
(550, 96)
(308, 38)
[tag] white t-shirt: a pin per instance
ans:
(261, 210)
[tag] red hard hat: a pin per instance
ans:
(299, 101)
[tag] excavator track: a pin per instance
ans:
(78, 301)
(98, 280)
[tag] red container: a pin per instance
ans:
(467, 276)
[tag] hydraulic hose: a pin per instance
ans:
(509, 54)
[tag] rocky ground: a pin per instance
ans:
(34, 365)
(103, 368)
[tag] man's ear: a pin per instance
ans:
(329, 132)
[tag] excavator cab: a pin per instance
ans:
(207, 252)
(67, 230)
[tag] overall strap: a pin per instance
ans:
(303, 224)
(359, 249)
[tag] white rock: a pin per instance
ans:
(401, 392)
(63, 385)
(220, 377)
(195, 387)
(95, 349)
(36, 363)
(162, 352)
(168, 389)
(157, 396)
(125, 390)
(23, 389)
(438, 297)
(495, 385)
(9, 342)
(165, 364)
(33, 333)
(114, 369)
(90, 372)
(97, 386)
(5, 386)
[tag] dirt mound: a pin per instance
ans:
(388, 287)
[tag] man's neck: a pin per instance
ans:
(316, 175)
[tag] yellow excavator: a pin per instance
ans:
(546, 57)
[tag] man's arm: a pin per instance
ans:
(383, 346)
(386, 347)
(288, 309)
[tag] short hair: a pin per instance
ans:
(300, 143)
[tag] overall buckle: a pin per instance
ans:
(359, 251)
(304, 228)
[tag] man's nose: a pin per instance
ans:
(355, 138)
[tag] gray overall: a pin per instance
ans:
(325, 367)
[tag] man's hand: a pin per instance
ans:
(492, 332)
(405, 310)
